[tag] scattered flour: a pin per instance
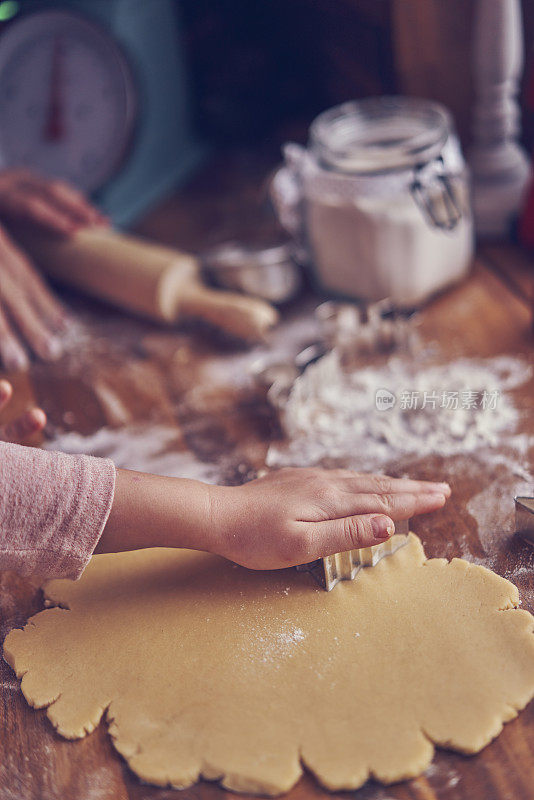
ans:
(146, 448)
(442, 776)
(332, 414)
(493, 506)
(268, 643)
(283, 344)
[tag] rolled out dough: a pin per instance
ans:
(207, 669)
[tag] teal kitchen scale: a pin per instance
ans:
(95, 92)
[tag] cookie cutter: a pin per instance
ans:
(330, 570)
(277, 379)
(352, 330)
(524, 517)
(365, 329)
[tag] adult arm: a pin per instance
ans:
(32, 320)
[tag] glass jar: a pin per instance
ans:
(378, 202)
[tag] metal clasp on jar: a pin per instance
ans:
(436, 196)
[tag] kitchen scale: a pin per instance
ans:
(94, 92)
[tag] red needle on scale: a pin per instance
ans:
(54, 129)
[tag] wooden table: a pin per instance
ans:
(136, 372)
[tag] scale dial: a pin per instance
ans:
(67, 98)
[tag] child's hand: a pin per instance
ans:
(294, 516)
(25, 425)
(289, 517)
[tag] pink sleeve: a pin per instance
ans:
(53, 508)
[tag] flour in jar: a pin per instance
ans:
(376, 247)
(379, 201)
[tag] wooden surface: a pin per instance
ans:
(132, 372)
(433, 56)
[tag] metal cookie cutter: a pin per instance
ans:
(365, 328)
(524, 517)
(351, 330)
(345, 566)
(277, 379)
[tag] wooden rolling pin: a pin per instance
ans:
(147, 278)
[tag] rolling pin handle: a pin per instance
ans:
(242, 316)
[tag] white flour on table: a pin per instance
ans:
(146, 448)
(332, 414)
(331, 418)
(284, 342)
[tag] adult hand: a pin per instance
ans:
(26, 197)
(30, 316)
(23, 426)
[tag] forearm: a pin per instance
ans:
(53, 507)
(151, 511)
(289, 517)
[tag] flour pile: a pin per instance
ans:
(456, 408)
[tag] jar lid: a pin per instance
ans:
(380, 134)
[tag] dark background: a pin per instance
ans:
(257, 68)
